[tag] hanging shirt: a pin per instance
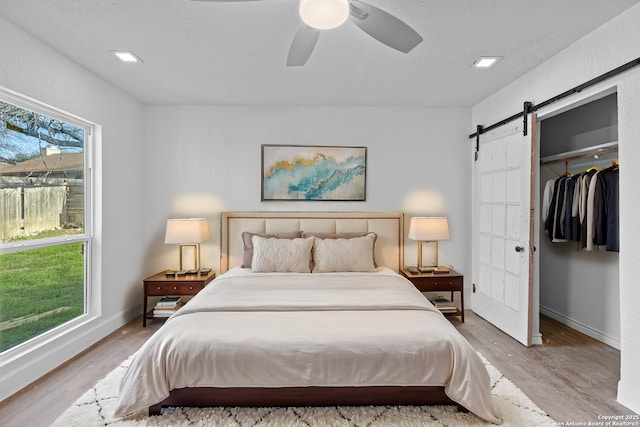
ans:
(582, 209)
(558, 229)
(546, 199)
(607, 210)
(590, 245)
(575, 214)
(548, 225)
(567, 217)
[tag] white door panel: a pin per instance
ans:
(485, 220)
(498, 194)
(513, 186)
(484, 245)
(512, 222)
(512, 294)
(498, 219)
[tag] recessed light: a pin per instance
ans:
(486, 61)
(126, 56)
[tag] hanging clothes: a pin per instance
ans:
(569, 218)
(554, 221)
(584, 193)
(591, 205)
(583, 208)
(606, 212)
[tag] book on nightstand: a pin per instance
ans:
(444, 305)
(165, 311)
(169, 302)
(167, 306)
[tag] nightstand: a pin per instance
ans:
(444, 282)
(162, 285)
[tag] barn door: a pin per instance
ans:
(503, 229)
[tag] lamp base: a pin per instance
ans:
(440, 270)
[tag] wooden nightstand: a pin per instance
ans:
(445, 282)
(162, 285)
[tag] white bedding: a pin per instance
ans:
(290, 330)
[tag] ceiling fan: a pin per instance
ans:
(318, 15)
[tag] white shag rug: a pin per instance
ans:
(97, 405)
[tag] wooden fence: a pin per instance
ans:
(26, 210)
(10, 213)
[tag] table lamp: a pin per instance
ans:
(429, 230)
(188, 232)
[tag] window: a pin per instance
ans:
(45, 227)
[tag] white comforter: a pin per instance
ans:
(289, 330)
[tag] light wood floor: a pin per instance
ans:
(572, 377)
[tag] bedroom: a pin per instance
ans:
(163, 170)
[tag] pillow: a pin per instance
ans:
(248, 244)
(355, 254)
(348, 235)
(281, 255)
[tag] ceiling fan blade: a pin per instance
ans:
(383, 26)
(302, 45)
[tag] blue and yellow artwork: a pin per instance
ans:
(297, 172)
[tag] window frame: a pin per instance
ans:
(91, 295)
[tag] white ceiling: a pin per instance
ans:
(235, 53)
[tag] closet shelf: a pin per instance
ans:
(602, 149)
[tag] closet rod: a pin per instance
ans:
(602, 149)
(579, 88)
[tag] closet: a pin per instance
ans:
(579, 287)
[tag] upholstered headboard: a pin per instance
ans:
(389, 227)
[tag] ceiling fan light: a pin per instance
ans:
(324, 14)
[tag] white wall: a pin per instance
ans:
(32, 68)
(610, 46)
(204, 160)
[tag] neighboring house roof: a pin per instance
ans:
(4, 162)
(53, 163)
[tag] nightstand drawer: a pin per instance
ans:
(171, 288)
(435, 284)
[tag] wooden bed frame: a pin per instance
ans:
(389, 252)
(305, 396)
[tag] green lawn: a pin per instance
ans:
(39, 290)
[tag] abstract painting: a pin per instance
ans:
(312, 172)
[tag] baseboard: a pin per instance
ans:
(581, 327)
(20, 372)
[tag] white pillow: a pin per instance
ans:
(355, 254)
(281, 255)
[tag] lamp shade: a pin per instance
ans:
(187, 230)
(324, 14)
(429, 228)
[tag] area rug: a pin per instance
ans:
(96, 408)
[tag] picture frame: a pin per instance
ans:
(313, 172)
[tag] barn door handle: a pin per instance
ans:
(519, 249)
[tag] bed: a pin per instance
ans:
(300, 329)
